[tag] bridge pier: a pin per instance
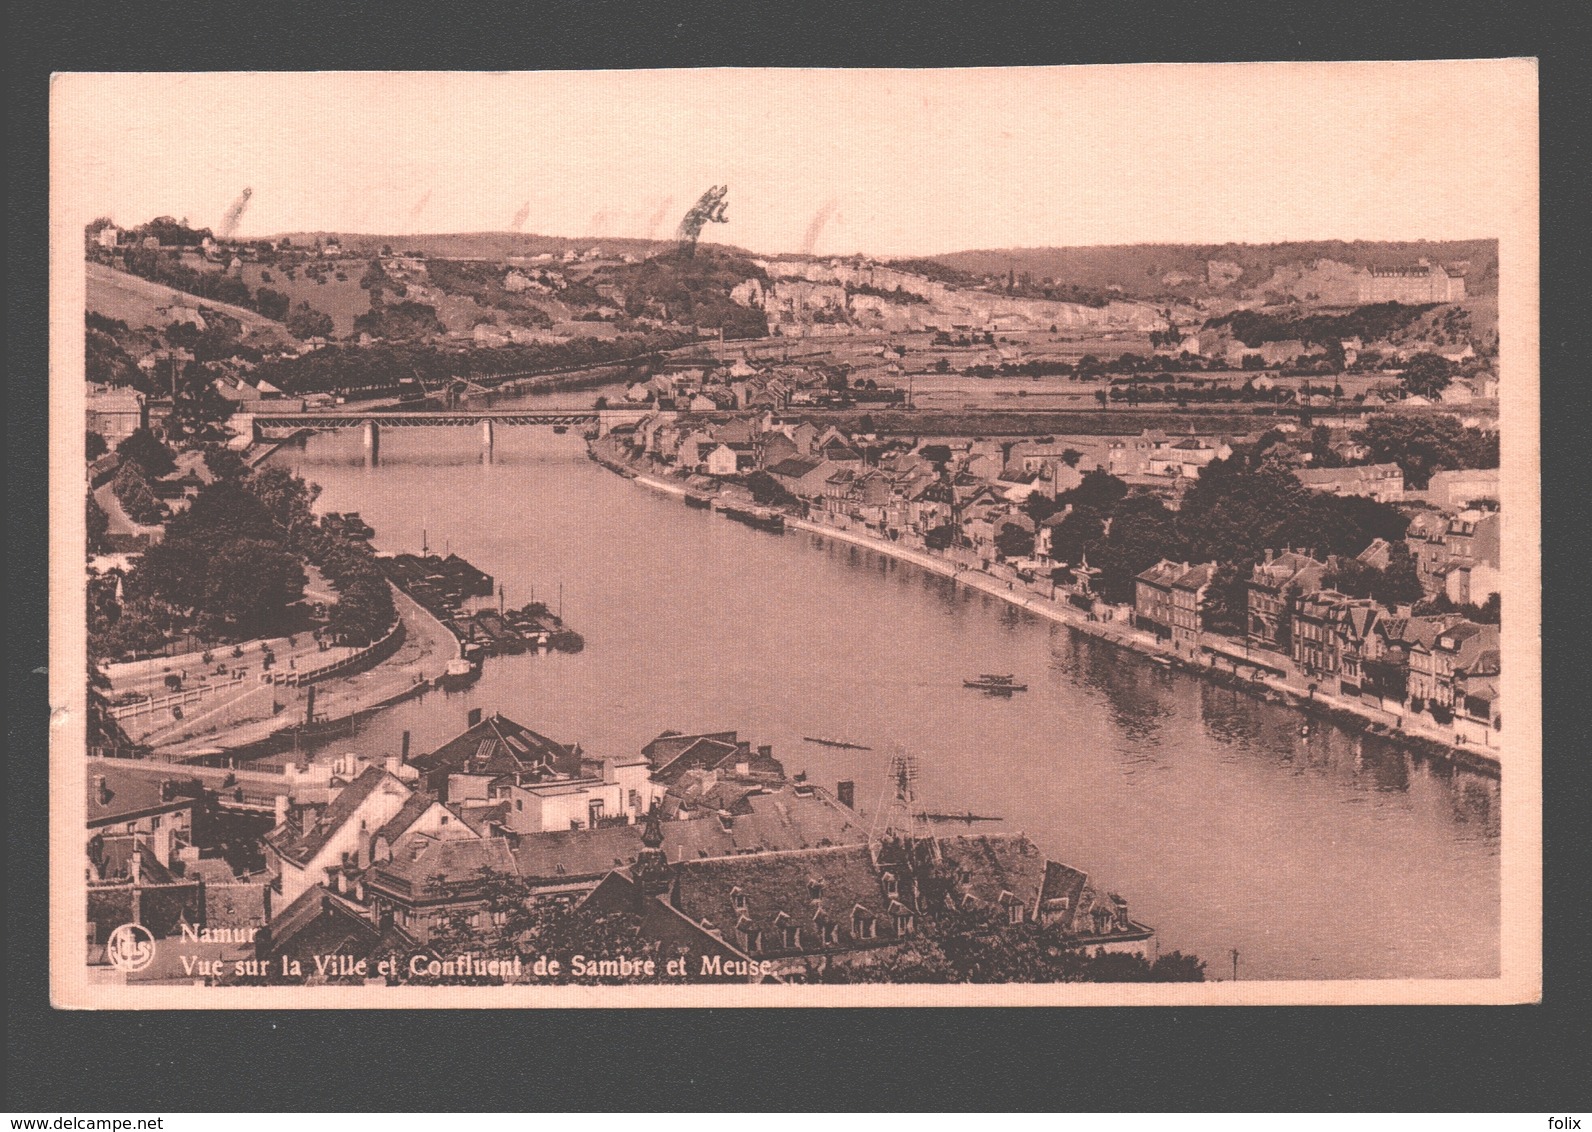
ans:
(486, 437)
(372, 443)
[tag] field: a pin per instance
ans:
(344, 300)
(140, 303)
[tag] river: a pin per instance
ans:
(1315, 856)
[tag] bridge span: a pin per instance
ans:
(372, 421)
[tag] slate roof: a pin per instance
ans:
(498, 746)
(1195, 577)
(793, 467)
(702, 754)
(995, 869)
(301, 845)
(1162, 574)
(334, 920)
(129, 792)
(419, 859)
(668, 746)
(803, 888)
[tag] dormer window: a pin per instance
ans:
(738, 899)
(1015, 913)
(892, 887)
(815, 888)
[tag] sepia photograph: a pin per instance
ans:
(783, 537)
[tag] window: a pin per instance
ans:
(738, 899)
(154, 822)
(519, 805)
(891, 887)
(1015, 913)
(791, 937)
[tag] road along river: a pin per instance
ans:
(1324, 855)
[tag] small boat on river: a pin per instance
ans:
(996, 685)
(839, 744)
(968, 817)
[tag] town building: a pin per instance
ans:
(138, 822)
(1442, 668)
(504, 775)
(330, 844)
(1454, 490)
(798, 912)
(1334, 635)
(1381, 482)
(115, 413)
(1422, 282)
(1272, 586)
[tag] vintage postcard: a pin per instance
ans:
(796, 537)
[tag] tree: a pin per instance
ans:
(1226, 608)
(1099, 489)
(937, 454)
(1427, 375)
(1421, 445)
(225, 464)
(940, 538)
(98, 525)
(1080, 530)
(1039, 506)
(249, 583)
(767, 490)
(135, 495)
(94, 445)
(272, 304)
(1142, 533)
(1400, 583)
(1012, 541)
(1071, 456)
(143, 449)
(307, 322)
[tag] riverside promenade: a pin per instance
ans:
(415, 666)
(1292, 689)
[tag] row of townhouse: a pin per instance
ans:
(1442, 664)
(1457, 554)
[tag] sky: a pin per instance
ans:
(887, 163)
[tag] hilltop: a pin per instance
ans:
(487, 245)
(140, 303)
(1192, 272)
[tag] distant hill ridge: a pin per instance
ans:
(1200, 270)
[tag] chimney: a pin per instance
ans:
(403, 749)
(168, 789)
(102, 791)
(162, 844)
(765, 751)
(846, 794)
(135, 863)
(474, 717)
(281, 809)
(610, 775)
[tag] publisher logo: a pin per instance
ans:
(131, 947)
